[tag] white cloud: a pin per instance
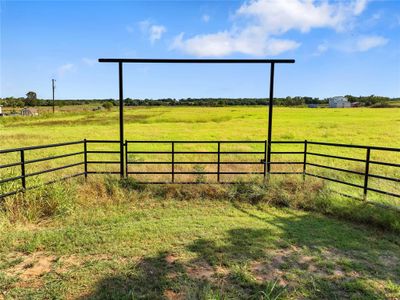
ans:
(358, 44)
(154, 32)
(365, 43)
(321, 48)
(359, 6)
(265, 20)
(89, 61)
(205, 18)
(62, 70)
(224, 43)
(303, 15)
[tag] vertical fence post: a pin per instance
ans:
(173, 161)
(23, 181)
(219, 162)
(270, 107)
(265, 159)
(85, 157)
(126, 158)
(366, 173)
(305, 160)
(121, 118)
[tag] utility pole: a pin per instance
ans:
(53, 86)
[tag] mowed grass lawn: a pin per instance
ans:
(167, 249)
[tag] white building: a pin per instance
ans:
(339, 102)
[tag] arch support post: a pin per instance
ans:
(270, 111)
(121, 118)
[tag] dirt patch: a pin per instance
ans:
(289, 258)
(32, 266)
(171, 258)
(305, 259)
(35, 265)
(171, 295)
(221, 271)
(266, 272)
(65, 263)
(200, 270)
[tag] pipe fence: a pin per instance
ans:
(309, 159)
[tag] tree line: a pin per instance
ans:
(32, 100)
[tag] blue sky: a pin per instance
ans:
(340, 47)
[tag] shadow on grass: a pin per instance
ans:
(313, 257)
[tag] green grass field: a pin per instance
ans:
(378, 127)
(365, 126)
(105, 239)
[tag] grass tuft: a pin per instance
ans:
(45, 202)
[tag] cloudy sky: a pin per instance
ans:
(340, 47)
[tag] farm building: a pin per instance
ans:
(339, 102)
(1, 110)
(29, 111)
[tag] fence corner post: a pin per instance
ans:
(85, 157)
(366, 175)
(305, 161)
(23, 180)
(219, 162)
(173, 161)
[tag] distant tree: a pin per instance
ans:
(18, 103)
(108, 105)
(31, 99)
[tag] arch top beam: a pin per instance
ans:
(196, 61)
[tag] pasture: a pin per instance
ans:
(365, 126)
(287, 239)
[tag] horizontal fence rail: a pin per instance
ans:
(21, 179)
(174, 154)
(308, 161)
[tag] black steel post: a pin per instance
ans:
(85, 157)
(271, 104)
(121, 119)
(305, 160)
(173, 162)
(265, 159)
(219, 162)
(23, 181)
(366, 173)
